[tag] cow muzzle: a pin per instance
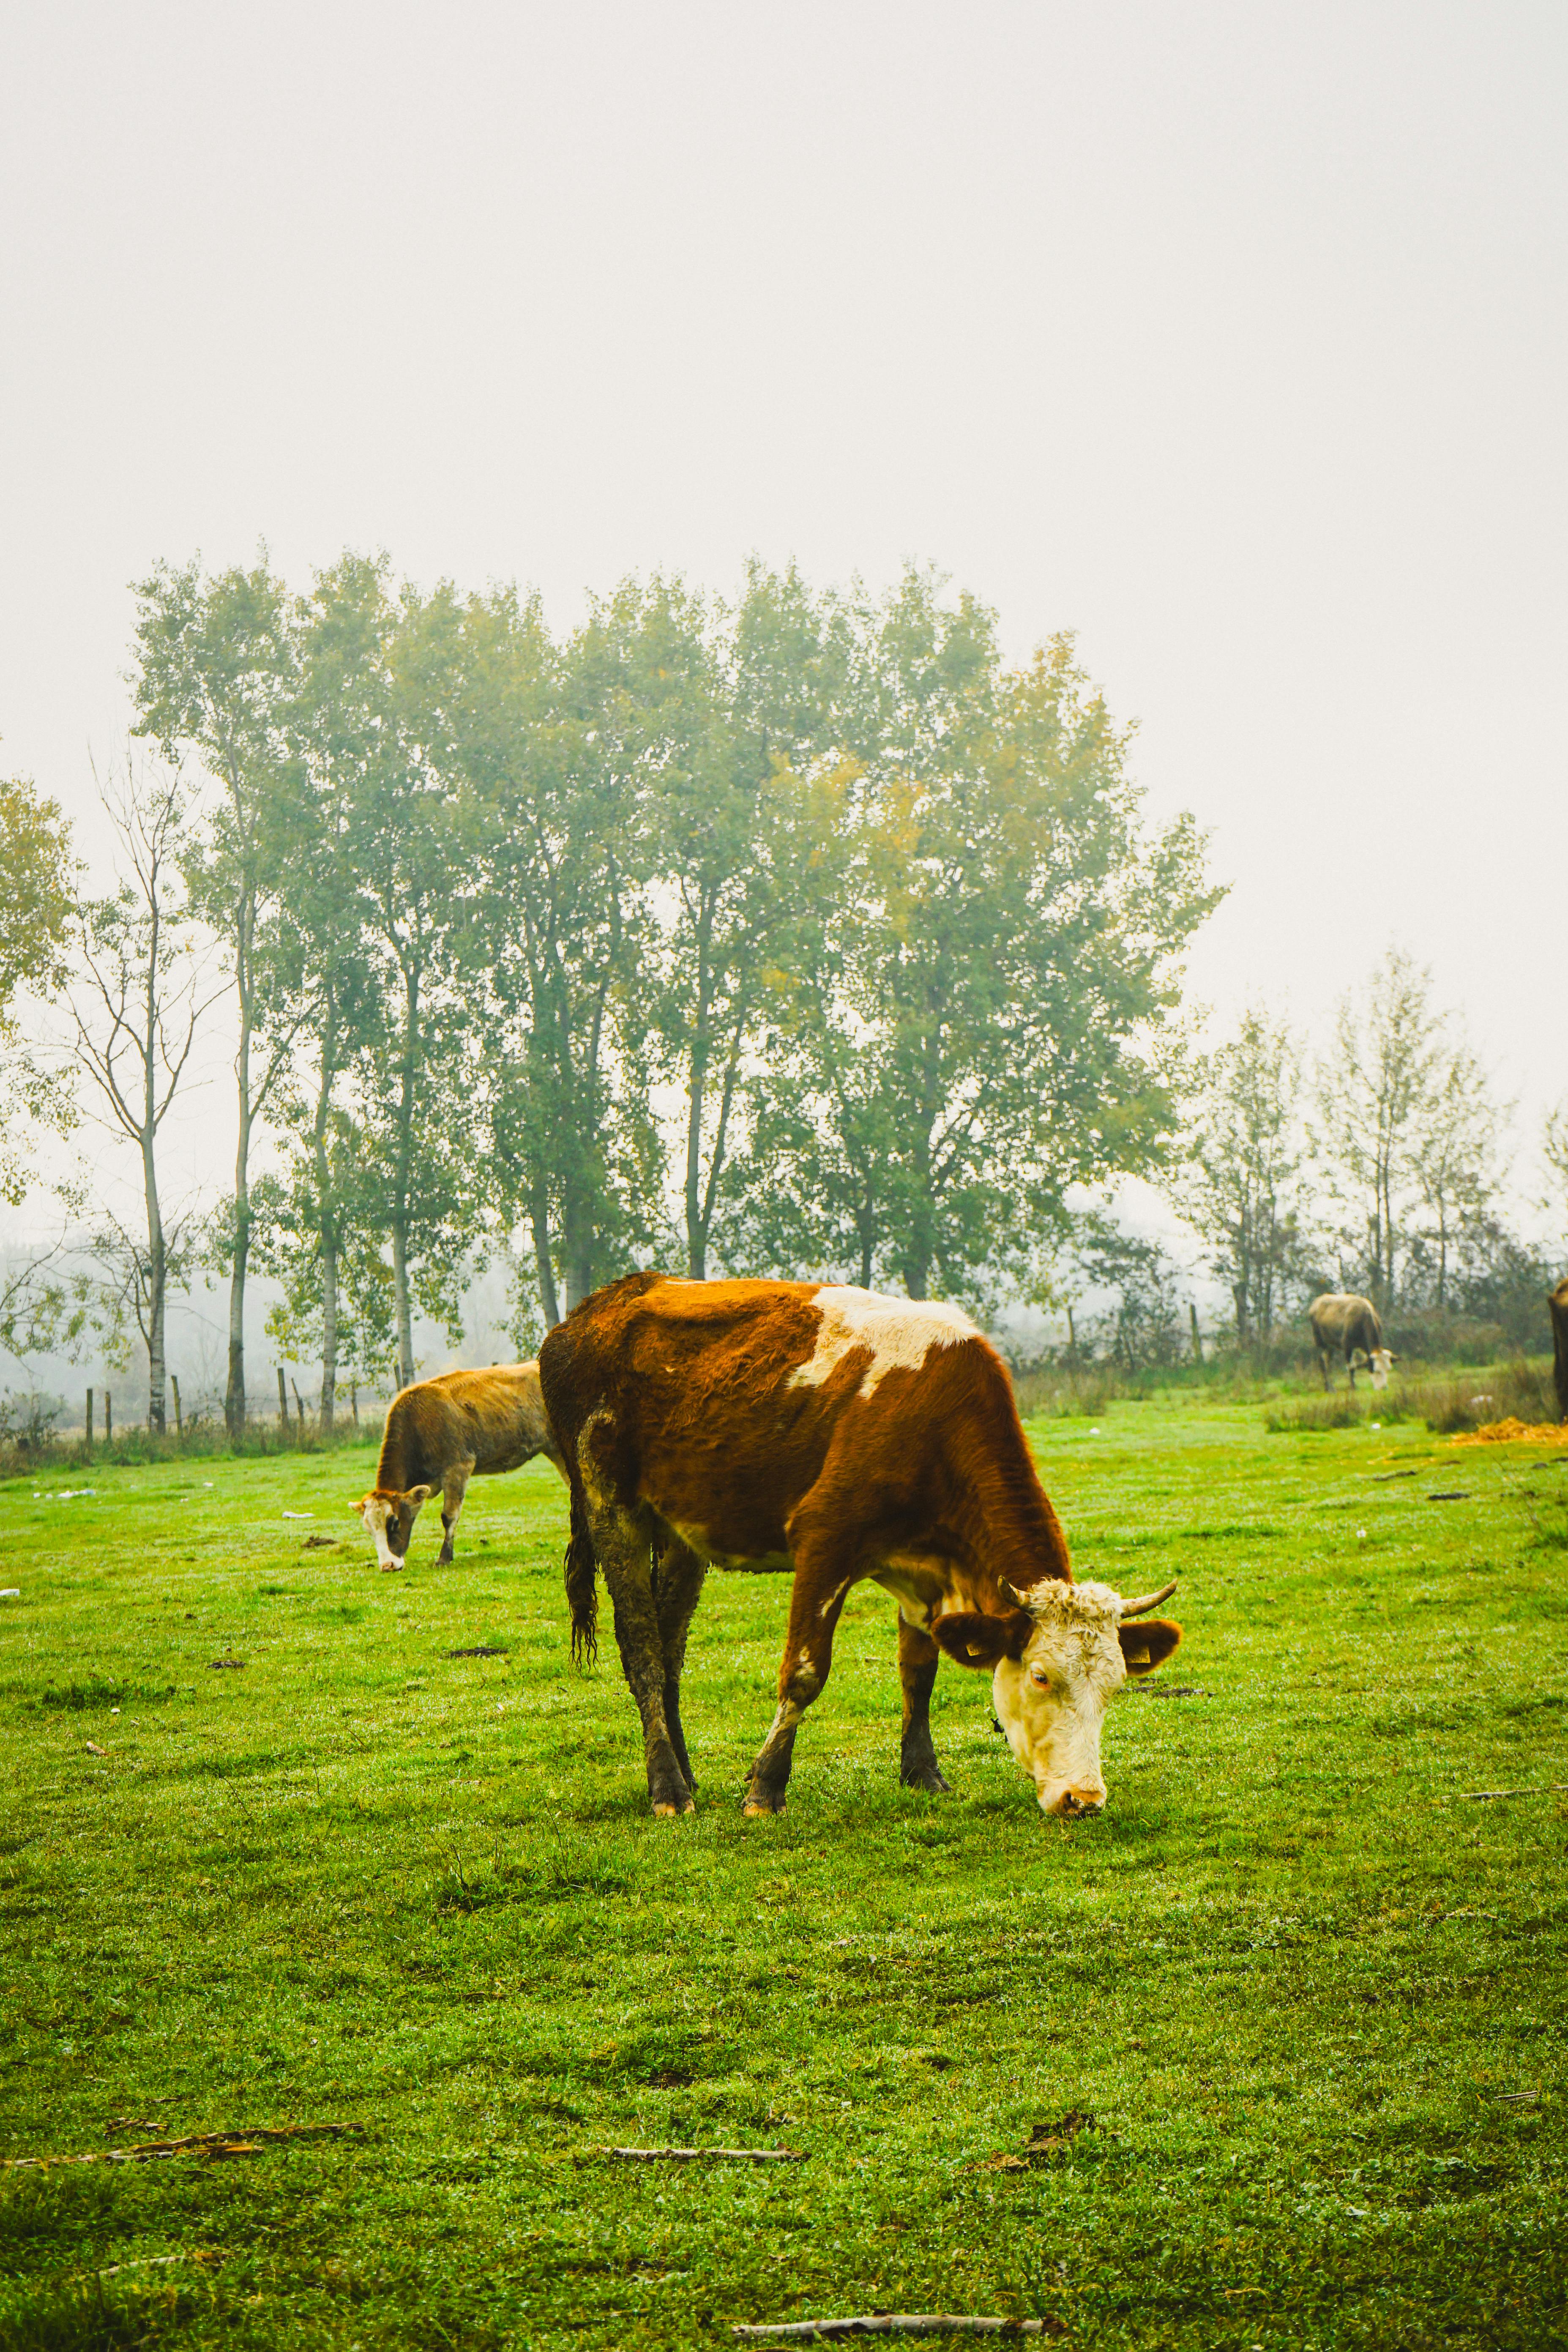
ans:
(1075, 1802)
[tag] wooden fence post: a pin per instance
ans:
(1198, 1336)
(299, 1405)
(107, 1418)
(179, 1424)
(90, 1421)
(282, 1403)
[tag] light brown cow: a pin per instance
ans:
(440, 1434)
(836, 1435)
(1345, 1325)
(1558, 1303)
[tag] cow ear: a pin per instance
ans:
(1147, 1643)
(358, 1509)
(972, 1639)
(417, 1494)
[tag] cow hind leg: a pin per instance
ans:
(918, 1659)
(815, 1606)
(677, 1577)
(621, 1541)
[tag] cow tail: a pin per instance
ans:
(581, 1582)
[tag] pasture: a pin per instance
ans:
(1271, 2053)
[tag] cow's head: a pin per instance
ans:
(1376, 1362)
(1057, 1661)
(388, 1519)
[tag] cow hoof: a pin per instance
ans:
(666, 1812)
(758, 1809)
(927, 1777)
(444, 1559)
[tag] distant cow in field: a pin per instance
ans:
(828, 1433)
(1344, 1324)
(1558, 1302)
(440, 1434)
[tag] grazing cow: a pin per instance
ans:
(1344, 1324)
(831, 1433)
(440, 1434)
(1558, 1303)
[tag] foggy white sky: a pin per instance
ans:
(1230, 335)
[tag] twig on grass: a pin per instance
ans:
(690, 2155)
(1485, 1796)
(214, 2143)
(908, 2323)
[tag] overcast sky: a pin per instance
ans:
(1230, 336)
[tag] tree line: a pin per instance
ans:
(796, 931)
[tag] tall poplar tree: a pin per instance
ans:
(216, 664)
(552, 742)
(368, 724)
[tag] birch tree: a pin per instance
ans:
(137, 1006)
(1241, 1188)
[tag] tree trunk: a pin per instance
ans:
(400, 1292)
(234, 1394)
(402, 1184)
(696, 1237)
(157, 1281)
(329, 1325)
(538, 1218)
(328, 1229)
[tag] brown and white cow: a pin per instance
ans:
(440, 1434)
(1345, 1325)
(837, 1435)
(1557, 1300)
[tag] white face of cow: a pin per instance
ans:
(1058, 1664)
(1380, 1362)
(389, 1520)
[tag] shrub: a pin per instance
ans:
(1062, 1390)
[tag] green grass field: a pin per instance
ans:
(1306, 1990)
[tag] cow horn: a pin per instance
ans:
(1149, 1601)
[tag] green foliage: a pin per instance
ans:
(1291, 2010)
(38, 894)
(987, 1026)
(215, 663)
(37, 902)
(370, 730)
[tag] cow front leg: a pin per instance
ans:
(678, 1577)
(622, 1550)
(815, 1606)
(454, 1487)
(918, 1659)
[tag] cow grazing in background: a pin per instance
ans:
(1558, 1303)
(1344, 1324)
(834, 1435)
(440, 1434)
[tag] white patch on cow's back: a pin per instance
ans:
(899, 1332)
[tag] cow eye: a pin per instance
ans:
(1040, 1677)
